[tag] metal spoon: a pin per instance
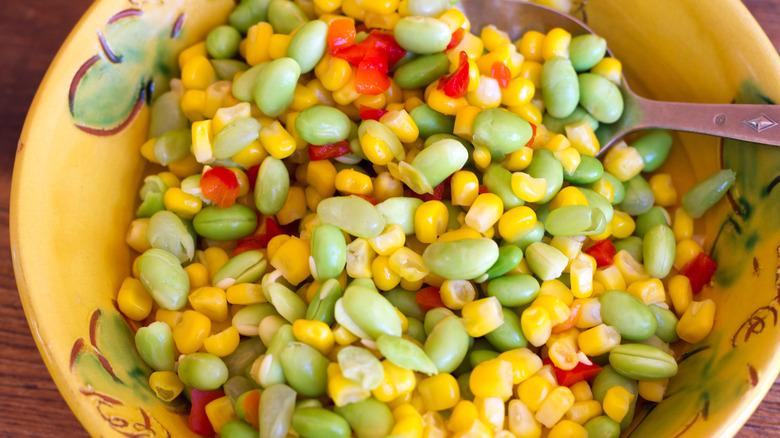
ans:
(754, 123)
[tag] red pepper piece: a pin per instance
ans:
(438, 193)
(341, 34)
(220, 186)
(603, 251)
(199, 422)
(333, 150)
(429, 298)
(387, 44)
(352, 54)
(251, 175)
(259, 240)
(457, 37)
(700, 271)
(571, 321)
(570, 377)
(456, 84)
(482, 189)
(500, 72)
(368, 198)
(369, 80)
(533, 135)
(368, 113)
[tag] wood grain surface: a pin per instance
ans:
(30, 405)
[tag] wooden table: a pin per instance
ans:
(30, 404)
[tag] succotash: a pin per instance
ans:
(363, 219)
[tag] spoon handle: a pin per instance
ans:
(753, 123)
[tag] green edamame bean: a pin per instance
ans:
(464, 259)
(642, 362)
(465, 389)
(545, 165)
(320, 423)
(244, 85)
(654, 147)
(236, 136)
(155, 346)
(535, 234)
(228, 68)
(274, 85)
(237, 429)
(508, 335)
(631, 244)
(588, 171)
(545, 261)
(498, 180)
(272, 186)
(166, 231)
(655, 216)
(322, 306)
(447, 344)
(434, 317)
(368, 418)
(501, 132)
(575, 220)
(289, 305)
(404, 301)
(436, 137)
(558, 125)
(371, 311)
(276, 410)
(667, 323)
(513, 290)
(203, 371)
(509, 256)
(560, 88)
(440, 160)
(308, 45)
(656, 342)
(707, 192)
(231, 223)
(360, 366)
(352, 214)
(239, 361)
(422, 35)
(658, 250)
(617, 186)
(476, 357)
(329, 252)
(628, 315)
(248, 318)
(285, 16)
(248, 13)
(305, 369)
(321, 124)
(600, 97)
(639, 197)
(430, 122)
(405, 354)
(420, 72)
(602, 427)
(585, 51)
(597, 201)
(427, 8)
(222, 42)
(416, 330)
(247, 267)
(608, 378)
(172, 146)
(166, 114)
(271, 373)
(164, 278)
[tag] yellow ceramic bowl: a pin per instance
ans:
(78, 170)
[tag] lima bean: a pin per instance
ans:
(509, 256)
(274, 86)
(667, 323)
(585, 51)
(272, 186)
(498, 180)
(320, 423)
(707, 192)
(155, 346)
(308, 45)
(166, 114)
(360, 366)
(422, 35)
(509, 335)
(248, 13)
(371, 311)
(628, 315)
(172, 146)
(166, 231)
(558, 125)
(461, 259)
(560, 88)
(545, 165)
(654, 147)
(405, 354)
(231, 223)
(501, 132)
(642, 362)
(638, 196)
(276, 410)
(513, 290)
(588, 171)
(447, 344)
(352, 214)
(422, 71)
(322, 306)
(222, 42)
(236, 136)
(430, 122)
(606, 379)
(285, 16)
(244, 84)
(545, 261)
(655, 216)
(305, 369)
(440, 160)
(319, 125)
(600, 97)
(328, 252)
(246, 267)
(164, 278)
(203, 371)
(368, 418)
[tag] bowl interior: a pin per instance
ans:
(78, 168)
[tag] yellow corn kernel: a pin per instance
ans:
(471, 44)
(582, 411)
(454, 19)
(402, 125)
(169, 179)
(391, 239)
(182, 203)
(590, 313)
(386, 187)
(492, 412)
(412, 103)
(478, 429)
(532, 71)
(350, 181)
(569, 159)
(492, 37)
(649, 291)
(622, 224)
(193, 104)
(327, 6)
(321, 175)
(525, 363)
(492, 378)
(696, 323)
(430, 221)
(680, 293)
(185, 167)
(294, 207)
(343, 336)
(198, 49)
(557, 143)
(326, 98)
(556, 43)
(463, 416)
(568, 429)
(147, 151)
(685, 251)
(517, 92)
(583, 138)
(342, 390)
(461, 233)
(202, 139)
(198, 275)
(557, 289)
(223, 343)
(604, 188)
(610, 277)
(292, 260)
(617, 402)
(630, 269)
(653, 390)
(245, 294)
(348, 93)
(528, 112)
(277, 141)
(191, 331)
(484, 212)
(214, 257)
(275, 243)
(408, 264)
(372, 101)
(376, 148)
(277, 46)
(481, 156)
(623, 161)
(384, 277)
(609, 68)
(536, 324)
(439, 392)
(457, 293)
(598, 340)
(219, 412)
(581, 271)
(481, 317)
(252, 155)
(216, 95)
(682, 225)
(316, 334)
(568, 196)
(663, 189)
(555, 307)
(465, 187)
(519, 159)
(258, 39)
(530, 45)
(408, 422)
(582, 392)
(334, 73)
(516, 222)
(521, 420)
(444, 104)
(528, 188)
(533, 391)
(198, 73)
(396, 382)
(464, 121)
(486, 96)
(211, 302)
(360, 256)
(555, 406)
(166, 385)
(303, 98)
(133, 299)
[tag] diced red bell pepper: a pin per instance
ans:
(570, 377)
(368, 113)
(352, 54)
(457, 37)
(259, 240)
(429, 298)
(251, 174)
(574, 316)
(388, 45)
(482, 189)
(456, 85)
(199, 422)
(369, 80)
(368, 198)
(533, 136)
(333, 150)
(341, 34)
(220, 186)
(603, 252)
(500, 72)
(700, 271)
